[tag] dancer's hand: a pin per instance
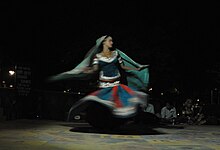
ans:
(138, 69)
(142, 67)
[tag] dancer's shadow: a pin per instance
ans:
(128, 129)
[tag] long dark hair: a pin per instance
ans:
(101, 45)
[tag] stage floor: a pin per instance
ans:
(58, 135)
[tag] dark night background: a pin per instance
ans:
(177, 39)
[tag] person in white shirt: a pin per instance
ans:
(147, 115)
(149, 108)
(168, 112)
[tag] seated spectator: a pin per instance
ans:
(168, 113)
(147, 114)
(192, 114)
(148, 108)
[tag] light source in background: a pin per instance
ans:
(11, 86)
(77, 117)
(11, 72)
(150, 89)
(4, 84)
(161, 93)
(175, 90)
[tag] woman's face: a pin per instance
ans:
(108, 42)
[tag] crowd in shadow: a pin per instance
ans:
(9, 107)
(190, 112)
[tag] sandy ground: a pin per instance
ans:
(58, 135)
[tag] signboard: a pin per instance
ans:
(23, 80)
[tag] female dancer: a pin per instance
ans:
(113, 102)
